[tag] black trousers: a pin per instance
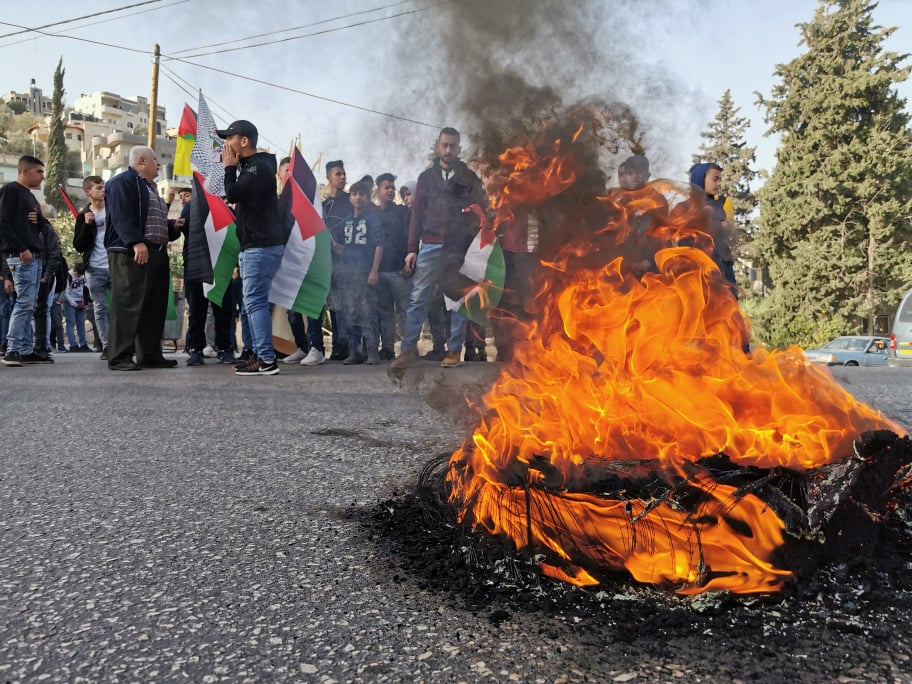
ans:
(139, 303)
(197, 308)
(41, 317)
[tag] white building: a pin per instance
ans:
(126, 114)
(34, 100)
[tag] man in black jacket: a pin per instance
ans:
(136, 237)
(21, 245)
(250, 186)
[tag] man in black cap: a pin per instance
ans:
(250, 186)
(633, 173)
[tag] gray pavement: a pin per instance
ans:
(189, 525)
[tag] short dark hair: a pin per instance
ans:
(402, 190)
(333, 164)
(385, 177)
(449, 130)
(79, 267)
(360, 188)
(367, 178)
(27, 161)
(285, 160)
(637, 162)
(89, 181)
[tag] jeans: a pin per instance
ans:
(298, 330)
(359, 311)
(258, 268)
(75, 318)
(315, 334)
(26, 277)
(99, 282)
(392, 302)
(429, 272)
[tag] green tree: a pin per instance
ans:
(835, 212)
(14, 137)
(57, 162)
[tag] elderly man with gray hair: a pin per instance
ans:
(136, 237)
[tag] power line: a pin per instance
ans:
(306, 94)
(27, 29)
(96, 23)
(306, 35)
(293, 28)
(171, 74)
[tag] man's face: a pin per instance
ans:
(33, 178)
(148, 166)
(712, 185)
(96, 193)
(386, 192)
(336, 177)
(184, 196)
(282, 175)
(630, 179)
(448, 148)
(408, 198)
(239, 144)
(359, 201)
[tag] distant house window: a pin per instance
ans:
(69, 136)
(129, 124)
(79, 136)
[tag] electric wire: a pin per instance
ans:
(306, 35)
(65, 34)
(26, 29)
(306, 94)
(293, 28)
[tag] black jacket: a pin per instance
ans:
(17, 233)
(84, 235)
(251, 187)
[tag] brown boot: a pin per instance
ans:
(451, 360)
(405, 359)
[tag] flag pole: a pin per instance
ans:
(153, 100)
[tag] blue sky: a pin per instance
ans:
(698, 51)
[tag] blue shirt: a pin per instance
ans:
(360, 236)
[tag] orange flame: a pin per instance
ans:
(634, 368)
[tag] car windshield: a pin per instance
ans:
(848, 344)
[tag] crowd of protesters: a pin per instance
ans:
(392, 263)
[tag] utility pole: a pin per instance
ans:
(153, 101)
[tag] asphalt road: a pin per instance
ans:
(187, 524)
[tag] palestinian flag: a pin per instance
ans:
(482, 279)
(186, 139)
(213, 247)
(302, 281)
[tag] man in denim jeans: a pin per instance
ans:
(20, 244)
(439, 234)
(88, 239)
(250, 186)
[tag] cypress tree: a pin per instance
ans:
(56, 163)
(834, 221)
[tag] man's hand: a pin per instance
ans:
(169, 196)
(179, 223)
(89, 217)
(410, 260)
(373, 278)
(141, 253)
(33, 216)
(8, 286)
(26, 256)
(229, 156)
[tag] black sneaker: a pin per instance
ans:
(247, 354)
(353, 359)
(226, 356)
(12, 358)
(245, 362)
(339, 354)
(195, 359)
(104, 355)
(260, 368)
(35, 358)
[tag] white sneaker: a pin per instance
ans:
(314, 358)
(210, 353)
(295, 357)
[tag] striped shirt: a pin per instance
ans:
(156, 219)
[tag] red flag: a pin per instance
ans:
(66, 198)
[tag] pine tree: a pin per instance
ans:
(57, 156)
(835, 213)
(726, 146)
